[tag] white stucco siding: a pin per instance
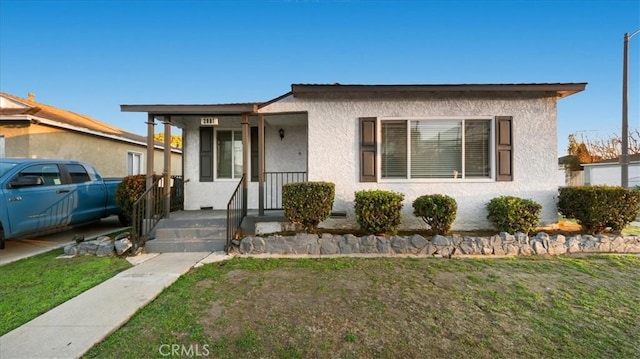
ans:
(334, 151)
(286, 155)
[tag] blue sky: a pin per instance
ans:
(92, 56)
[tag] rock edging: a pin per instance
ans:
(503, 244)
(102, 246)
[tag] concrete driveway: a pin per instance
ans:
(21, 248)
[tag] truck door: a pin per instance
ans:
(90, 194)
(40, 207)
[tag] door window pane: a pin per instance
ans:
(229, 154)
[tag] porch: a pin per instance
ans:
(235, 162)
(204, 230)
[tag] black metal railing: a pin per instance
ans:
(236, 211)
(148, 210)
(273, 182)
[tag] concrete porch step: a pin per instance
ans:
(188, 235)
(185, 245)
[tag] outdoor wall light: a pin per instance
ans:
(281, 132)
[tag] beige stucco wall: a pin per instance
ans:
(334, 151)
(107, 155)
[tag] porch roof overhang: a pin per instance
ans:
(212, 109)
(558, 90)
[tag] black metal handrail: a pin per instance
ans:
(148, 210)
(273, 182)
(236, 211)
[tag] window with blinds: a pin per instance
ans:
(394, 149)
(432, 149)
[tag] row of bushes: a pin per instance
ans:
(378, 211)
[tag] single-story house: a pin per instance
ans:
(473, 142)
(608, 172)
(37, 130)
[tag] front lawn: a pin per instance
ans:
(527, 307)
(32, 286)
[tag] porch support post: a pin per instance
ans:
(246, 139)
(151, 123)
(261, 165)
(166, 190)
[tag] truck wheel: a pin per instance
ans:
(1, 239)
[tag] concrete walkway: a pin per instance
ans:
(71, 329)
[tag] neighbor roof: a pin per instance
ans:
(48, 112)
(54, 116)
(634, 157)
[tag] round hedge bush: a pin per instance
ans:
(512, 214)
(438, 211)
(378, 211)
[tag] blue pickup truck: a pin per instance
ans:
(39, 196)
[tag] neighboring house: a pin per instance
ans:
(473, 142)
(570, 173)
(36, 130)
(608, 172)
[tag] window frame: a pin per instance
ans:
(135, 154)
(408, 179)
(217, 153)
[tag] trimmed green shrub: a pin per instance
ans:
(308, 203)
(512, 214)
(378, 211)
(438, 211)
(127, 192)
(598, 207)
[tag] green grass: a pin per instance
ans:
(534, 307)
(34, 285)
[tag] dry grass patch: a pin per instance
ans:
(395, 307)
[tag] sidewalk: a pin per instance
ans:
(71, 329)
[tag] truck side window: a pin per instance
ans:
(49, 173)
(78, 173)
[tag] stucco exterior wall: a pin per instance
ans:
(108, 156)
(334, 151)
(286, 155)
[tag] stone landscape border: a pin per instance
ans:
(503, 244)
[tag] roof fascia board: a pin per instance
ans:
(561, 89)
(603, 164)
(191, 109)
(264, 104)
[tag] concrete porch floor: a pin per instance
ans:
(201, 230)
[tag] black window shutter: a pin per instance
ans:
(504, 148)
(206, 154)
(368, 149)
